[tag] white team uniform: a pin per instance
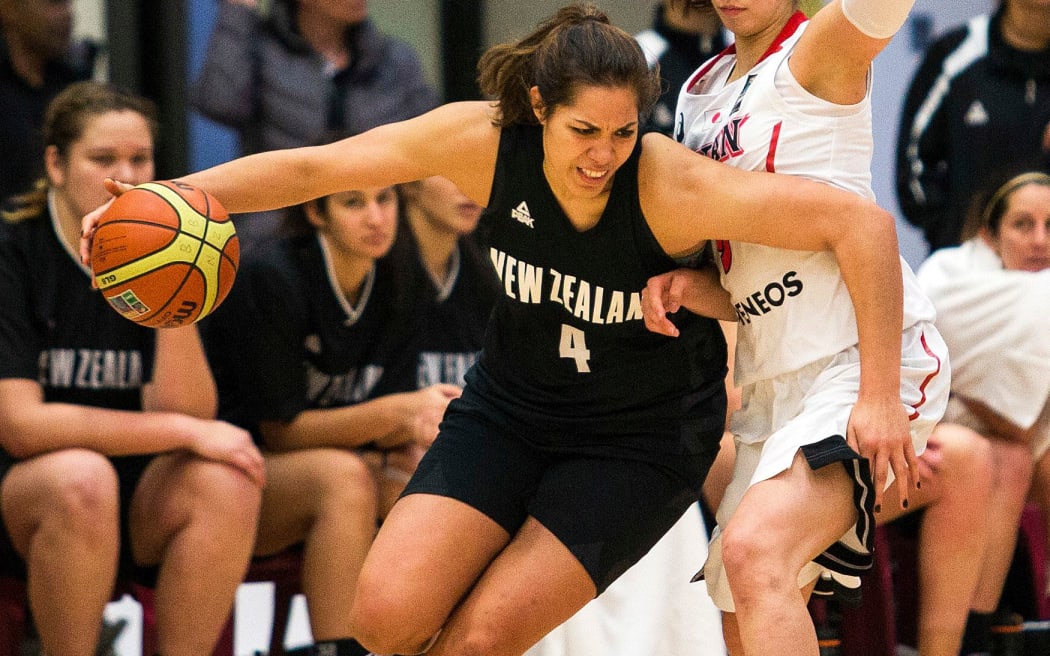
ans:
(993, 320)
(797, 360)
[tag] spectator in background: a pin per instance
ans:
(980, 100)
(285, 73)
(678, 41)
(992, 295)
(37, 60)
(325, 311)
(108, 445)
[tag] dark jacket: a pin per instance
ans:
(975, 105)
(23, 106)
(263, 79)
(679, 54)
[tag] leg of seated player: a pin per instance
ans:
(60, 510)
(197, 520)
(956, 476)
(325, 499)
(1013, 475)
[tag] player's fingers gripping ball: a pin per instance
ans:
(165, 254)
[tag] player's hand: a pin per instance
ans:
(878, 431)
(223, 442)
(90, 220)
(662, 296)
(421, 412)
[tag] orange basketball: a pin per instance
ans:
(165, 254)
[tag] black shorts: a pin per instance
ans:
(607, 504)
(129, 470)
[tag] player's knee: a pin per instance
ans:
(967, 457)
(748, 558)
(346, 486)
(217, 489)
(83, 489)
(385, 625)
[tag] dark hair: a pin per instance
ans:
(68, 113)
(988, 206)
(65, 119)
(575, 47)
(294, 220)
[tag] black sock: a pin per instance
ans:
(976, 637)
(341, 647)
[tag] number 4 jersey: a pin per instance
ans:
(567, 342)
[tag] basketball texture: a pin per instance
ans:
(165, 254)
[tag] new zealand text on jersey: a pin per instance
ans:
(90, 369)
(528, 283)
(328, 390)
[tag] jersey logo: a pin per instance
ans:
(726, 143)
(521, 214)
(976, 114)
(725, 253)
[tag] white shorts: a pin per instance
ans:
(812, 405)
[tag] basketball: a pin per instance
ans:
(165, 254)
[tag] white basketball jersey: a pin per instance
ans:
(793, 306)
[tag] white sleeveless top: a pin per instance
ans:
(793, 306)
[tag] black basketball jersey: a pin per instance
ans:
(286, 340)
(567, 345)
(448, 319)
(57, 330)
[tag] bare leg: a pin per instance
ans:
(427, 556)
(325, 498)
(1013, 475)
(956, 480)
(440, 565)
(198, 520)
(1040, 494)
(61, 512)
(780, 525)
(533, 586)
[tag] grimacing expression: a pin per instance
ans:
(585, 143)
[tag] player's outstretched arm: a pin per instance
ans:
(396, 152)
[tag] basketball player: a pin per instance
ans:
(108, 449)
(453, 289)
(326, 313)
(580, 437)
(775, 101)
(992, 295)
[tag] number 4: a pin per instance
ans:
(574, 345)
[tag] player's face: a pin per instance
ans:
(443, 205)
(361, 223)
(1023, 241)
(586, 142)
(754, 19)
(116, 145)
